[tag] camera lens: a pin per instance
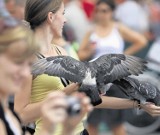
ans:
(74, 106)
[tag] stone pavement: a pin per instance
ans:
(108, 133)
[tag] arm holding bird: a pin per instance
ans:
(92, 75)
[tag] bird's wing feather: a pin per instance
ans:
(144, 88)
(128, 87)
(148, 90)
(61, 66)
(116, 66)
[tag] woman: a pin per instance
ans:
(46, 18)
(14, 69)
(108, 36)
(15, 65)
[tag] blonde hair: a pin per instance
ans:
(14, 34)
(36, 11)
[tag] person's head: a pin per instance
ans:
(10, 5)
(119, 1)
(104, 10)
(17, 49)
(48, 13)
(19, 9)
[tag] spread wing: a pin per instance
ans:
(61, 66)
(111, 67)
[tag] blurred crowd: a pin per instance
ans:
(92, 28)
(142, 16)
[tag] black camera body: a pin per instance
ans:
(74, 106)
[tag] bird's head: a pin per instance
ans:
(92, 92)
(84, 88)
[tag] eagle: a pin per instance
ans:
(93, 76)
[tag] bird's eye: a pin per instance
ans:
(72, 66)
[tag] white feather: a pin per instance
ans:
(88, 78)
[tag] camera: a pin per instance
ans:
(74, 106)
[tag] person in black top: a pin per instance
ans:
(16, 52)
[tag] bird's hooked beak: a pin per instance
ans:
(94, 96)
(102, 93)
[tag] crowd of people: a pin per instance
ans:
(82, 29)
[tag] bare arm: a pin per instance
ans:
(138, 40)
(54, 112)
(120, 103)
(28, 112)
(116, 103)
(86, 50)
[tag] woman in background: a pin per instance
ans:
(108, 36)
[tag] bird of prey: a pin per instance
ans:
(92, 76)
(139, 90)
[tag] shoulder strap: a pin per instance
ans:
(39, 55)
(64, 81)
(57, 50)
(2, 117)
(15, 114)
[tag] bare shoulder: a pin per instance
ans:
(120, 26)
(88, 34)
(125, 30)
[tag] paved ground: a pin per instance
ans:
(129, 134)
(105, 131)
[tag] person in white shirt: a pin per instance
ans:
(130, 13)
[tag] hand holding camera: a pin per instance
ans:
(67, 110)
